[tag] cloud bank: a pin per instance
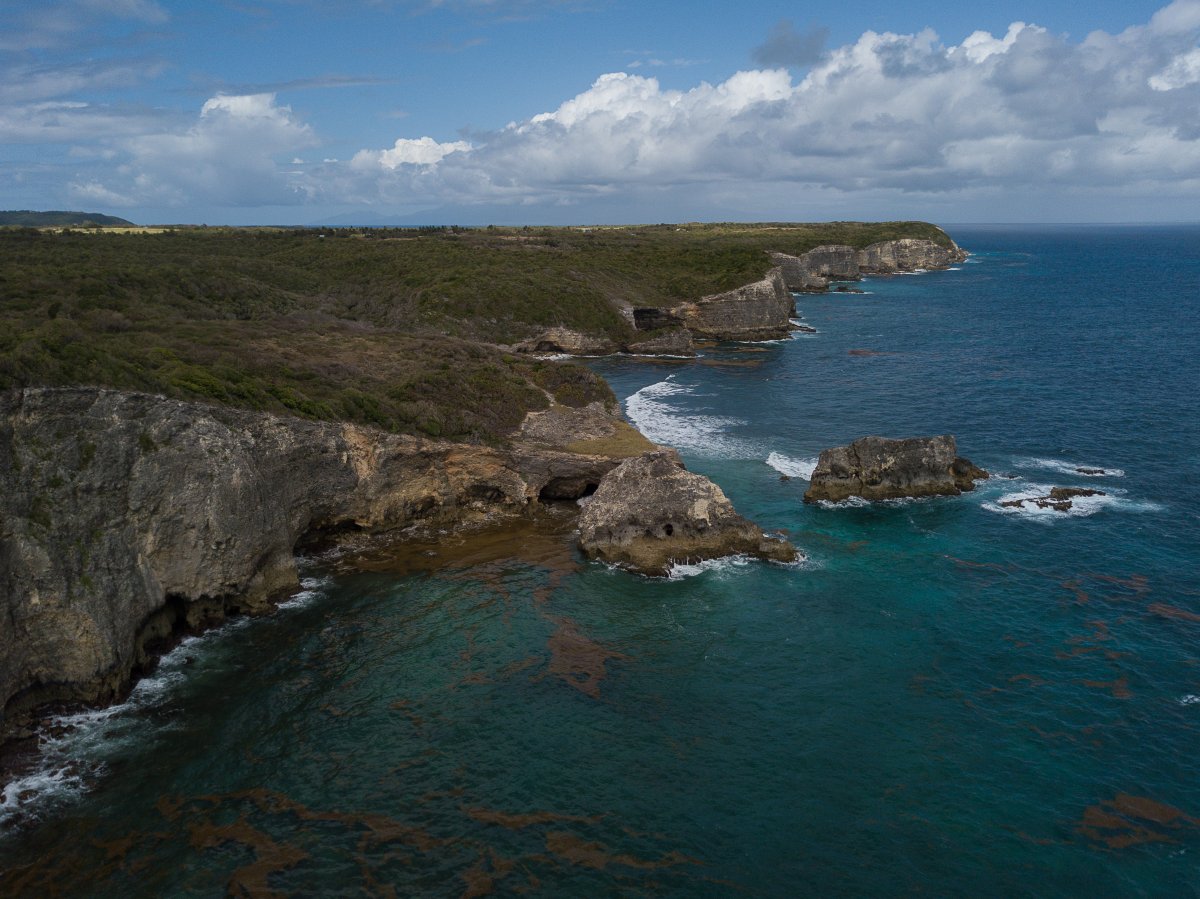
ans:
(1027, 111)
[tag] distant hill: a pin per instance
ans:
(28, 219)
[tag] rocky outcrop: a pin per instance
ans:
(758, 311)
(650, 512)
(1059, 499)
(907, 255)
(812, 271)
(567, 341)
(673, 342)
(879, 468)
(125, 517)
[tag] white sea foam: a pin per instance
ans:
(1189, 699)
(1075, 469)
(1081, 506)
(850, 502)
(73, 749)
(954, 268)
(652, 412)
(793, 468)
(681, 570)
(310, 589)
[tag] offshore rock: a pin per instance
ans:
(907, 255)
(758, 311)
(126, 517)
(1059, 498)
(879, 468)
(650, 512)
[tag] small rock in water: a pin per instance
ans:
(1092, 471)
(1058, 499)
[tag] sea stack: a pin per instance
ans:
(881, 468)
(650, 512)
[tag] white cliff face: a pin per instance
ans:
(906, 255)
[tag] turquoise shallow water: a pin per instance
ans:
(948, 698)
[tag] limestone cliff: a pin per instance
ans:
(816, 268)
(907, 255)
(812, 271)
(758, 311)
(126, 516)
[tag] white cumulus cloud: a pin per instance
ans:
(1028, 110)
(1027, 113)
(231, 155)
(422, 151)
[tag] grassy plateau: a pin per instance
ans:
(402, 329)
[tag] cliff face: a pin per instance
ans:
(906, 255)
(124, 516)
(816, 268)
(758, 311)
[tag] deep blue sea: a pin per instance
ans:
(949, 697)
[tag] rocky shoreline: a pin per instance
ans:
(130, 518)
(761, 310)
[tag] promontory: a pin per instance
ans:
(180, 410)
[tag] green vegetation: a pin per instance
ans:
(385, 327)
(29, 219)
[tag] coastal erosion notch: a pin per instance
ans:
(126, 518)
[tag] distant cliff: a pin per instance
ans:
(812, 271)
(762, 310)
(27, 218)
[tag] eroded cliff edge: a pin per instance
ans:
(126, 516)
(760, 310)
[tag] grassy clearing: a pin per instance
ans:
(625, 442)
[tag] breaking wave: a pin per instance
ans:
(652, 412)
(1071, 468)
(793, 468)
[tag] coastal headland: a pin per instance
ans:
(180, 412)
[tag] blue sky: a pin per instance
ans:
(561, 111)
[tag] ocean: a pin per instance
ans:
(948, 696)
